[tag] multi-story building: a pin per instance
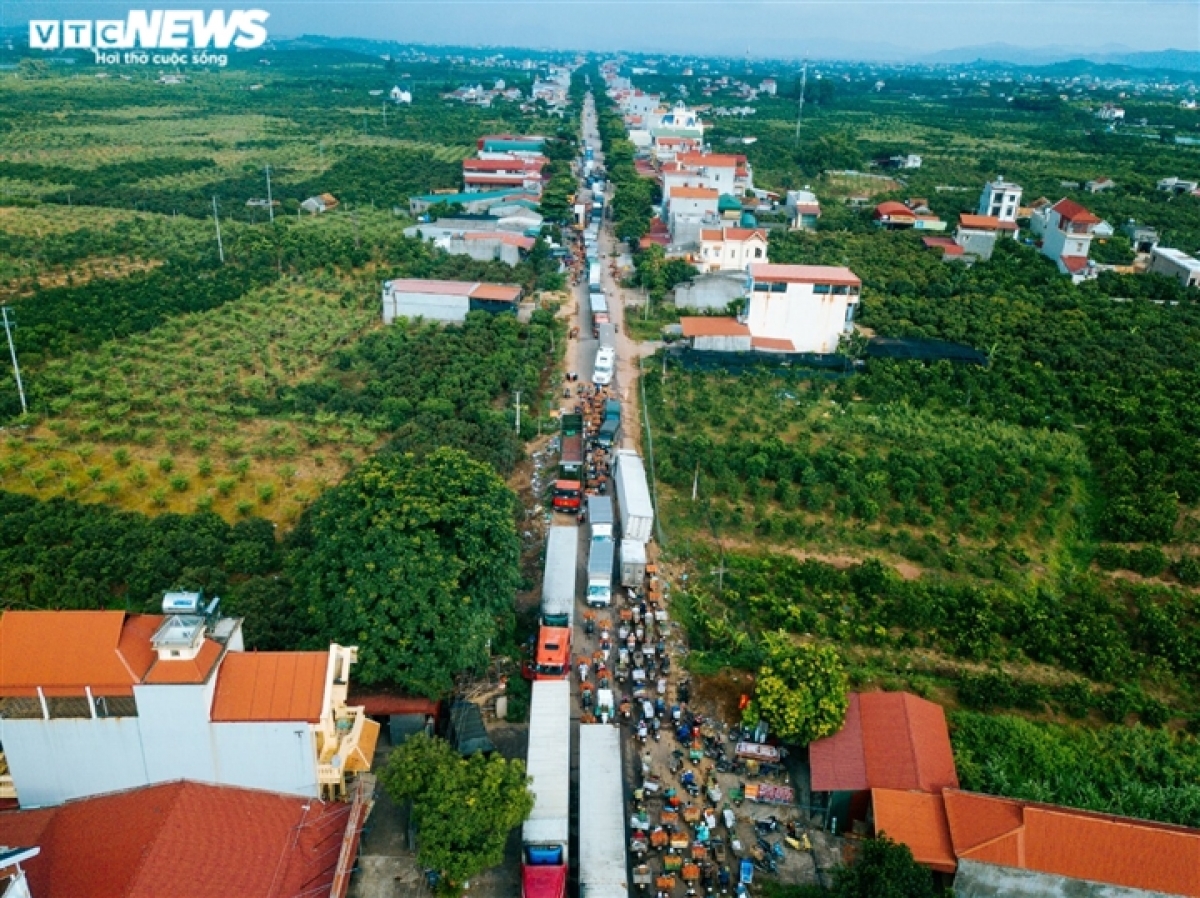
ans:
(497, 174)
(100, 701)
(731, 249)
(1000, 199)
(1066, 229)
(801, 308)
(688, 210)
(804, 210)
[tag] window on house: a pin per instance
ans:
(758, 252)
(762, 288)
(779, 288)
(840, 290)
(821, 289)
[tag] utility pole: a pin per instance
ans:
(518, 412)
(800, 109)
(270, 206)
(217, 221)
(12, 349)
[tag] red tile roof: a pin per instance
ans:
(497, 292)
(65, 651)
(1074, 264)
(505, 237)
(195, 671)
(705, 326)
(182, 839)
(918, 820)
(985, 223)
(712, 160)
(532, 166)
(1071, 211)
(892, 209)
(902, 741)
(471, 289)
(805, 274)
(254, 686)
(945, 244)
(732, 234)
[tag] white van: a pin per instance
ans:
(606, 360)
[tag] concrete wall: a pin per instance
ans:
(276, 756)
(1187, 275)
(711, 291)
(977, 243)
(175, 732)
(722, 344)
(432, 307)
(814, 323)
(484, 250)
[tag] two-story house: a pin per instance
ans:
(101, 701)
(731, 249)
(1000, 199)
(689, 210)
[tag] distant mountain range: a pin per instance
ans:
(1173, 60)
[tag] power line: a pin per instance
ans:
(12, 349)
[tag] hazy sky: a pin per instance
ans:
(765, 28)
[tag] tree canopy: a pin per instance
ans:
(801, 690)
(464, 808)
(883, 869)
(413, 560)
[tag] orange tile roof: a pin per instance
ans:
(711, 326)
(693, 193)
(1074, 264)
(774, 344)
(270, 686)
(497, 292)
(805, 274)
(918, 820)
(891, 740)
(712, 160)
(893, 209)
(985, 223)
(65, 651)
(183, 839)
(196, 670)
(1061, 841)
(361, 759)
(732, 234)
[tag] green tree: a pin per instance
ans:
(883, 869)
(464, 808)
(801, 690)
(413, 560)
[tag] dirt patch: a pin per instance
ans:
(720, 695)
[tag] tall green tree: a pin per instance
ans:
(413, 560)
(883, 869)
(464, 808)
(801, 690)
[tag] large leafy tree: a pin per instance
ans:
(883, 869)
(801, 690)
(464, 808)
(413, 560)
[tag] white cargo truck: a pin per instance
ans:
(603, 866)
(633, 496)
(600, 573)
(558, 579)
(600, 514)
(594, 274)
(545, 835)
(633, 563)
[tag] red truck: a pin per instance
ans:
(572, 474)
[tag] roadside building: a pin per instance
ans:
(497, 174)
(316, 205)
(447, 301)
(731, 249)
(890, 740)
(1000, 199)
(1177, 264)
(716, 334)
(186, 840)
(100, 701)
(473, 203)
(690, 209)
(1024, 849)
(1142, 238)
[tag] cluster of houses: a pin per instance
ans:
(551, 89)
(890, 771)
(149, 754)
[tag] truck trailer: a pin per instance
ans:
(601, 557)
(572, 475)
(633, 496)
(552, 654)
(603, 865)
(544, 837)
(633, 563)
(600, 514)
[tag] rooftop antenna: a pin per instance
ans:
(800, 108)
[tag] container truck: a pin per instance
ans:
(633, 563)
(609, 433)
(594, 274)
(544, 837)
(607, 334)
(572, 475)
(633, 496)
(603, 865)
(600, 573)
(600, 514)
(602, 371)
(552, 654)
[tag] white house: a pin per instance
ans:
(1067, 230)
(801, 308)
(977, 234)
(99, 701)
(724, 172)
(1175, 263)
(804, 210)
(448, 301)
(1110, 113)
(689, 209)
(1000, 199)
(768, 86)
(679, 121)
(400, 96)
(731, 249)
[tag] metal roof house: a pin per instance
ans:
(447, 301)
